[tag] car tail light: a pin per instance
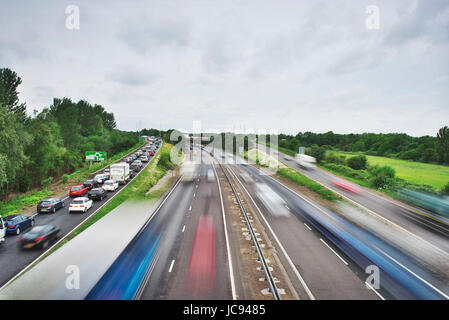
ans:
(70, 206)
(39, 239)
(12, 226)
(82, 206)
(21, 239)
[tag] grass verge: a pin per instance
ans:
(302, 180)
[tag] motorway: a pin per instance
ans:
(417, 221)
(188, 257)
(14, 259)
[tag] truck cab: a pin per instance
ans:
(2, 230)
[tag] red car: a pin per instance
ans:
(151, 153)
(78, 191)
(347, 186)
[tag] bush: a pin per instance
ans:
(24, 183)
(347, 171)
(446, 189)
(388, 171)
(335, 158)
(317, 152)
(357, 162)
(65, 178)
(164, 161)
(46, 182)
(379, 181)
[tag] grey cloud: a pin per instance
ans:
(130, 76)
(148, 35)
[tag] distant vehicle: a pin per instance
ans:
(305, 161)
(131, 174)
(120, 172)
(129, 160)
(78, 191)
(188, 171)
(2, 230)
(246, 177)
(49, 205)
(90, 184)
(97, 194)
(106, 176)
(151, 153)
(110, 185)
(210, 175)
(80, 204)
(134, 167)
(144, 158)
(139, 153)
(271, 200)
(107, 171)
(286, 158)
(139, 162)
(100, 178)
(39, 236)
(134, 156)
(17, 223)
(346, 185)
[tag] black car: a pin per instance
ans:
(39, 236)
(97, 194)
(48, 205)
(16, 223)
(134, 167)
(90, 184)
(131, 174)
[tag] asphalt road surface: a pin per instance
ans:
(14, 259)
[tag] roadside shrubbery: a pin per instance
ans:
(357, 162)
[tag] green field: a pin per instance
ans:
(434, 175)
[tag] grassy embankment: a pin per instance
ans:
(283, 171)
(434, 175)
(136, 189)
(30, 199)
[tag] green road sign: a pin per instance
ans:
(95, 156)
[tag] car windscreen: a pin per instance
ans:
(78, 202)
(76, 188)
(46, 203)
(95, 191)
(13, 220)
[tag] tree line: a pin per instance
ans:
(52, 142)
(394, 145)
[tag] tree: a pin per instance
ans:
(9, 96)
(443, 144)
(357, 162)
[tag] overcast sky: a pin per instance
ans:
(284, 65)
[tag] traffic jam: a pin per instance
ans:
(51, 222)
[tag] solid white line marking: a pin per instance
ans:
(417, 276)
(231, 269)
(287, 207)
(183, 228)
(307, 226)
(334, 251)
(375, 291)
(171, 265)
(292, 265)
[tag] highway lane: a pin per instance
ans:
(433, 231)
(325, 273)
(403, 278)
(201, 268)
(14, 259)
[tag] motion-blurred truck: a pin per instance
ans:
(120, 172)
(188, 171)
(305, 161)
(434, 203)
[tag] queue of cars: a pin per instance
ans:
(84, 194)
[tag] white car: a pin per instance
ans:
(81, 204)
(110, 185)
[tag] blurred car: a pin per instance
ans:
(78, 191)
(129, 160)
(90, 184)
(139, 162)
(80, 204)
(17, 223)
(133, 157)
(97, 194)
(131, 174)
(39, 236)
(49, 205)
(271, 200)
(100, 178)
(110, 185)
(346, 185)
(134, 167)
(144, 158)
(152, 153)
